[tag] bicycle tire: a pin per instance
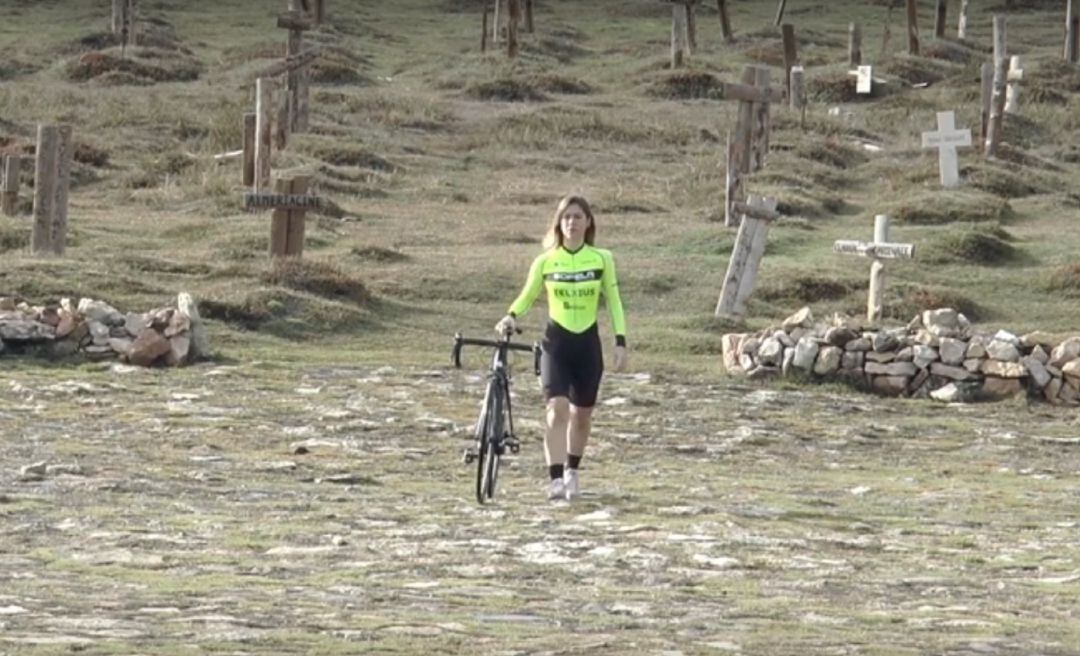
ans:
(482, 446)
(494, 437)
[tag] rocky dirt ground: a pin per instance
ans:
(255, 508)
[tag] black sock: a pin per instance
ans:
(555, 471)
(573, 461)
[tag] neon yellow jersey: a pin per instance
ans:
(574, 282)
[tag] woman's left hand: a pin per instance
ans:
(621, 358)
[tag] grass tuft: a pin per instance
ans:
(971, 246)
(318, 278)
(1065, 279)
(506, 90)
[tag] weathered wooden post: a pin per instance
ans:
(123, 21)
(780, 5)
(997, 102)
(762, 120)
(854, 48)
(680, 36)
(1012, 87)
(484, 30)
(880, 249)
(691, 24)
(961, 24)
(514, 11)
(290, 202)
(791, 55)
(987, 87)
(947, 139)
(529, 26)
(9, 185)
(939, 19)
(913, 27)
(296, 21)
(746, 256)
(746, 150)
(287, 225)
(264, 108)
(316, 9)
(51, 179)
(497, 16)
(248, 159)
(725, 22)
(1072, 32)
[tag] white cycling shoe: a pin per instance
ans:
(571, 484)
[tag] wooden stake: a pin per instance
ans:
(780, 12)
(691, 25)
(961, 25)
(680, 46)
(118, 8)
(512, 28)
(746, 256)
(496, 16)
(725, 23)
(854, 44)
(484, 30)
(9, 185)
(1072, 32)
(987, 86)
(762, 122)
(45, 171)
(913, 27)
(249, 149)
(997, 102)
(58, 228)
(529, 26)
(790, 53)
(939, 19)
(264, 108)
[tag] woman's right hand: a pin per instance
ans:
(506, 326)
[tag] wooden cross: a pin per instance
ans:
(879, 249)
(749, 145)
(290, 203)
(746, 256)
(947, 139)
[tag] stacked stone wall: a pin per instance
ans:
(938, 355)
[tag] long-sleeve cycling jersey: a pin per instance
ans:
(574, 282)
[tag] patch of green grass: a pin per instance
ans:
(1065, 279)
(315, 277)
(958, 207)
(972, 246)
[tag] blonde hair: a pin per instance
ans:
(554, 237)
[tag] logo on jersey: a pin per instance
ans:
(575, 276)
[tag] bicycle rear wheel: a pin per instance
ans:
(493, 437)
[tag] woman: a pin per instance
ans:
(574, 273)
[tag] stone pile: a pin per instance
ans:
(170, 336)
(937, 355)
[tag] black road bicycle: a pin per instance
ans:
(495, 426)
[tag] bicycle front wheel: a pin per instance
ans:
(494, 437)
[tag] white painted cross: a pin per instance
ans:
(1012, 89)
(879, 249)
(864, 80)
(947, 139)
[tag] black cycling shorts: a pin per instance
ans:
(572, 364)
